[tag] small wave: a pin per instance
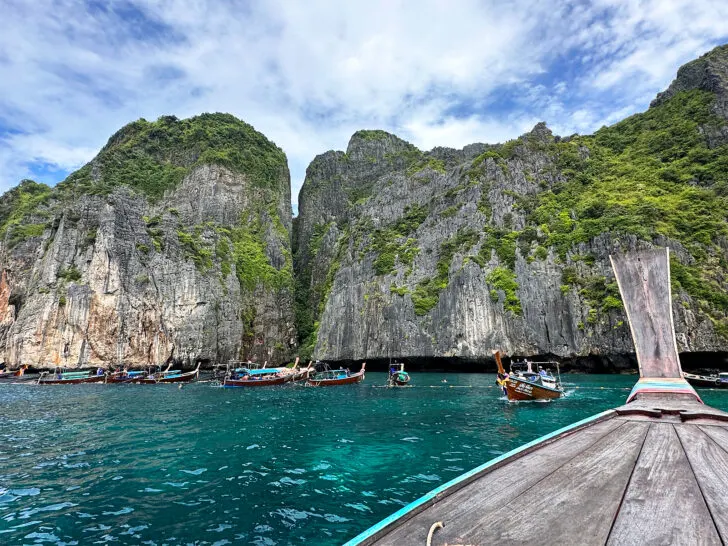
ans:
(40, 538)
(125, 510)
(50, 508)
(333, 518)
(289, 481)
(422, 478)
(195, 472)
(411, 439)
(220, 528)
(359, 507)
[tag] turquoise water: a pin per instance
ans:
(135, 464)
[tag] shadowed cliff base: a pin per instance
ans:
(612, 363)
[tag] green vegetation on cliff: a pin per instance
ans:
(650, 175)
(17, 205)
(153, 157)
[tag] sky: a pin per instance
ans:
(308, 74)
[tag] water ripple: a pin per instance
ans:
(125, 464)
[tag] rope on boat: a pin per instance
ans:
(434, 527)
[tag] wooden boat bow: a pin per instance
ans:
(652, 471)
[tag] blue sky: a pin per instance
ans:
(309, 74)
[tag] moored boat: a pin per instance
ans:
(59, 377)
(342, 376)
(719, 381)
(522, 383)
(649, 472)
(17, 374)
(263, 377)
(152, 378)
(530, 386)
(397, 376)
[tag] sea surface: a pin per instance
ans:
(140, 464)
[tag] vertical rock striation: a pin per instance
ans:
(173, 243)
(453, 253)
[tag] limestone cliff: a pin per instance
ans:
(453, 253)
(174, 242)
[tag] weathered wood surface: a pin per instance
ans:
(496, 488)
(717, 433)
(709, 462)
(664, 405)
(663, 503)
(592, 483)
(644, 282)
(621, 481)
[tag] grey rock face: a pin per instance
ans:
(112, 281)
(364, 314)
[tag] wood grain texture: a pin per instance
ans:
(644, 283)
(576, 502)
(483, 499)
(709, 462)
(663, 503)
(718, 433)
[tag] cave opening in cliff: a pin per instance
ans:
(17, 300)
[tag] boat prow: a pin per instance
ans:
(650, 472)
(331, 378)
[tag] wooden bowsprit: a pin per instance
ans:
(644, 282)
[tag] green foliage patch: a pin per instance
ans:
(153, 157)
(394, 243)
(503, 279)
(427, 293)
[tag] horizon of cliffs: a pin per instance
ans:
(176, 243)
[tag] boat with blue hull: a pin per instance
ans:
(652, 471)
(141, 377)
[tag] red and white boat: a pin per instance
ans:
(329, 378)
(248, 376)
(523, 383)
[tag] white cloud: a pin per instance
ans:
(309, 74)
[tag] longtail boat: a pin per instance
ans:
(263, 377)
(70, 378)
(153, 378)
(330, 378)
(652, 471)
(397, 376)
(719, 381)
(527, 384)
(17, 374)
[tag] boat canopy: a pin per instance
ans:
(74, 375)
(263, 371)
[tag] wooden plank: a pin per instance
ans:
(709, 463)
(663, 503)
(644, 283)
(485, 497)
(718, 433)
(576, 503)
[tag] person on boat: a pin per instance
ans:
(100, 371)
(542, 372)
